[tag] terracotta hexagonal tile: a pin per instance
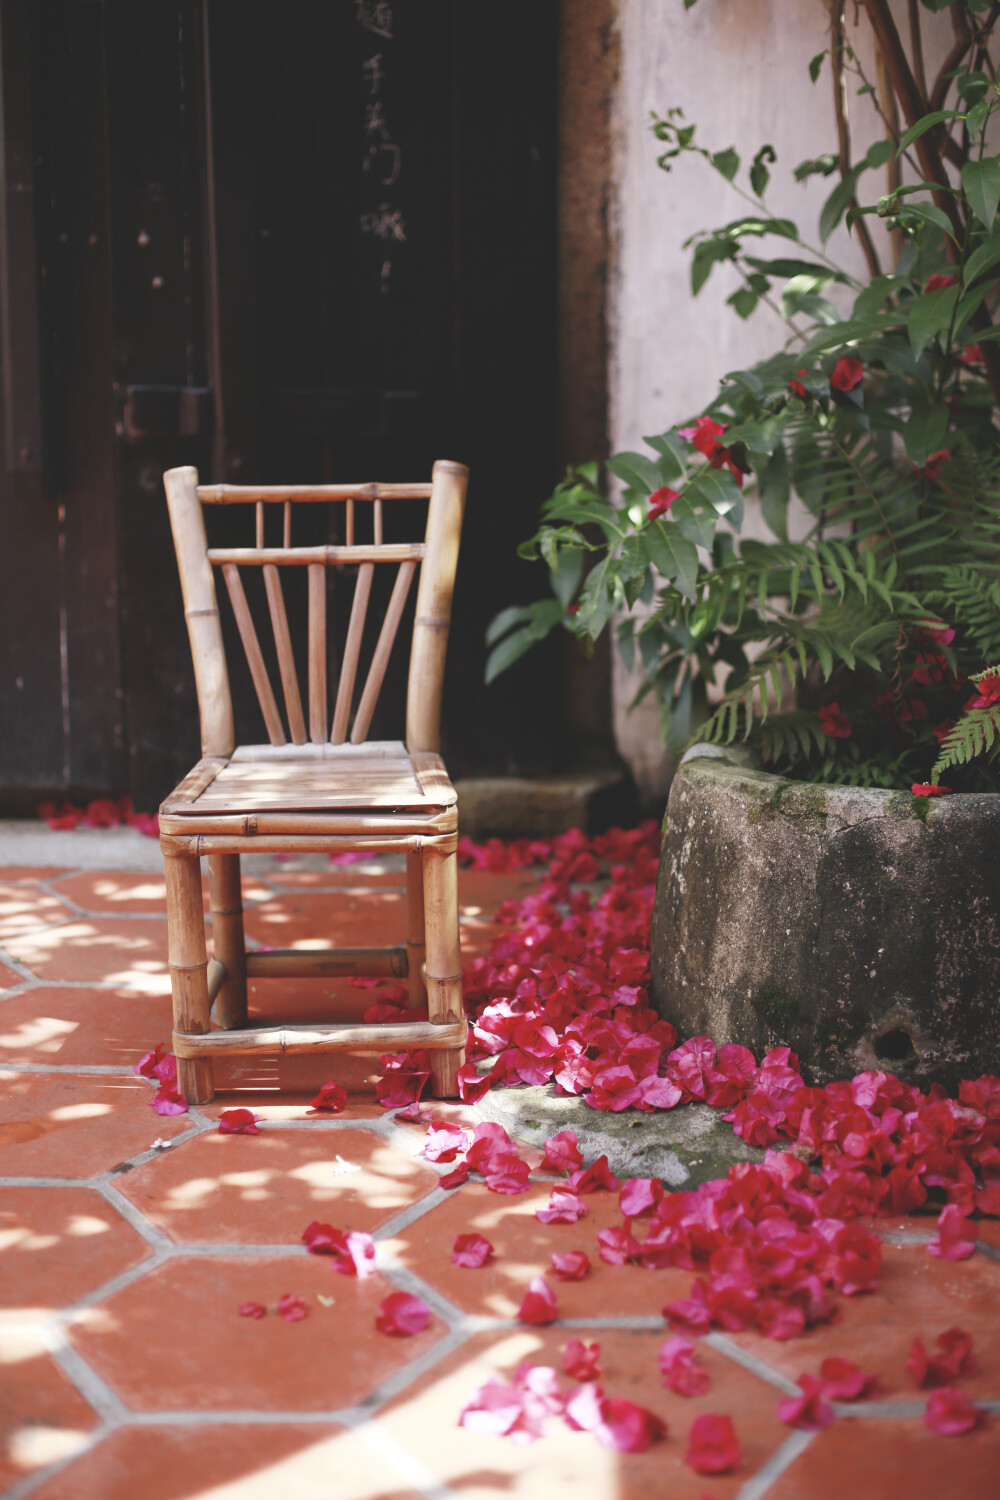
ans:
(229, 1462)
(175, 1341)
(56, 1125)
(523, 1249)
(81, 1026)
(31, 874)
(918, 1296)
(43, 1417)
(9, 977)
(129, 951)
(57, 1244)
(113, 891)
(264, 1189)
(480, 892)
(25, 908)
(424, 1418)
(871, 1460)
(351, 918)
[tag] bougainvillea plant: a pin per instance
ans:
(861, 643)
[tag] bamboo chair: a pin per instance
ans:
(329, 789)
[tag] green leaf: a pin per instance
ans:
(836, 205)
(759, 174)
(817, 166)
(879, 153)
(638, 471)
(565, 578)
(924, 433)
(673, 457)
(697, 522)
(930, 314)
(673, 556)
(727, 162)
(981, 181)
(926, 213)
(708, 253)
(875, 294)
(927, 122)
(505, 620)
(774, 488)
(786, 266)
(977, 117)
(743, 301)
(982, 260)
(723, 494)
(815, 64)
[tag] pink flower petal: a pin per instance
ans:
(472, 1251)
(582, 1361)
(292, 1309)
(330, 1097)
(956, 1236)
(950, 1412)
(539, 1305)
(563, 1208)
(252, 1310)
(713, 1447)
(571, 1265)
(238, 1122)
(402, 1315)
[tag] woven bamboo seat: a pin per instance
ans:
(320, 787)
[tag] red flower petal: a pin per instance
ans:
(592, 1178)
(950, 1412)
(456, 1178)
(713, 1447)
(582, 1361)
(616, 1423)
(843, 1381)
(956, 1237)
(472, 1251)
(292, 1309)
(471, 1084)
(539, 1305)
(238, 1122)
(847, 373)
(402, 1315)
(169, 1102)
(331, 1097)
(562, 1153)
(444, 1142)
(680, 1370)
(563, 1207)
(570, 1265)
(808, 1411)
(252, 1310)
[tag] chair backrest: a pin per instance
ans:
(436, 556)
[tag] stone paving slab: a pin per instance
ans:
(128, 1241)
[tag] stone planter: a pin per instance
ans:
(860, 927)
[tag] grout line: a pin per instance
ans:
(410, 1215)
(409, 1468)
(126, 1209)
(99, 1396)
(33, 1481)
(396, 1383)
(751, 1362)
(86, 1070)
(791, 1449)
(408, 1281)
(68, 1315)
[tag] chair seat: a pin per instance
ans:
(375, 776)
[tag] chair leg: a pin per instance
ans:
(416, 949)
(188, 968)
(228, 941)
(444, 962)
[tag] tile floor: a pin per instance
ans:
(125, 1369)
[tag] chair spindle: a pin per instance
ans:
(352, 651)
(377, 523)
(317, 653)
(254, 656)
(286, 660)
(383, 650)
(259, 518)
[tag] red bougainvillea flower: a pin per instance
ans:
(508, 1174)
(471, 1251)
(938, 282)
(238, 1122)
(252, 1310)
(950, 1412)
(972, 356)
(928, 789)
(680, 1370)
(539, 1305)
(456, 1178)
(582, 1361)
(987, 691)
(169, 1102)
(833, 722)
(843, 1381)
(570, 1265)
(660, 502)
(444, 1142)
(616, 1423)
(518, 1410)
(402, 1315)
(353, 1254)
(147, 1065)
(798, 387)
(330, 1097)
(471, 1084)
(563, 1207)
(938, 631)
(590, 1179)
(954, 1358)
(956, 1236)
(704, 435)
(809, 1411)
(847, 373)
(291, 1308)
(934, 462)
(713, 1447)
(404, 1078)
(562, 1153)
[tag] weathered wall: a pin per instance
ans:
(739, 69)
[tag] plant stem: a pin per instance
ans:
(837, 44)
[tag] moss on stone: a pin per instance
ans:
(802, 800)
(839, 1030)
(777, 1009)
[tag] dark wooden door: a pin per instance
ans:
(306, 240)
